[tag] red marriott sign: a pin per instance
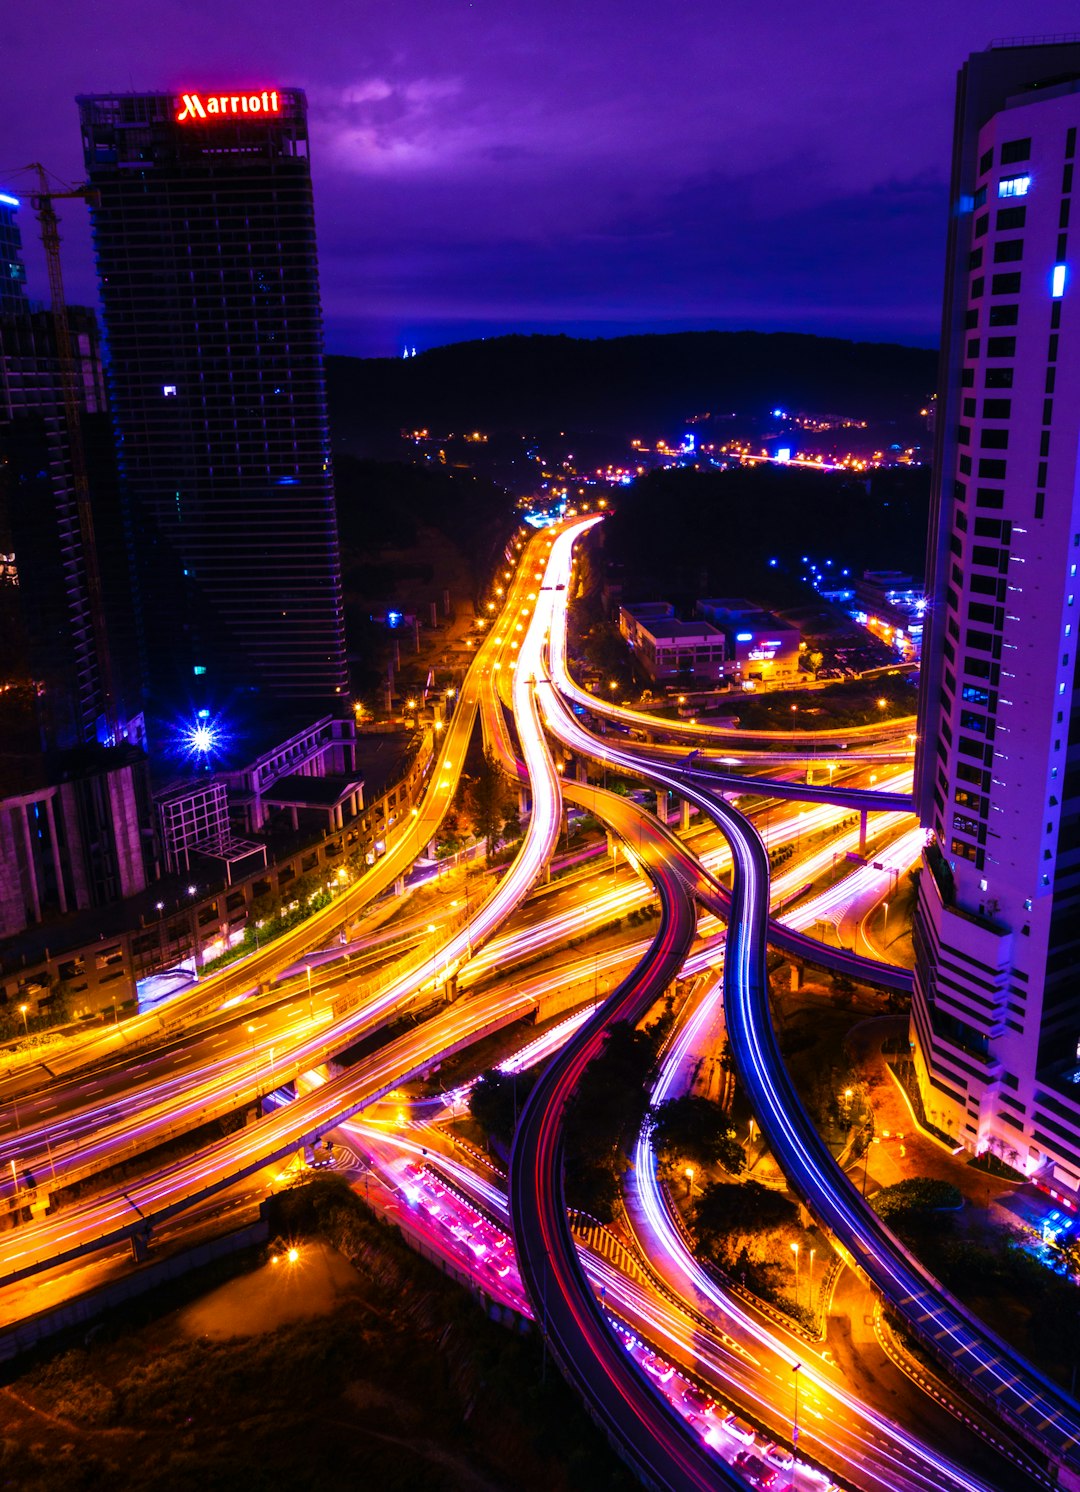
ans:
(214, 105)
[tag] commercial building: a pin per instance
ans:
(996, 1014)
(762, 651)
(667, 648)
(891, 605)
(204, 234)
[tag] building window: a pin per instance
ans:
(1008, 250)
(1006, 284)
(1004, 315)
(1013, 151)
(1057, 281)
(1014, 186)
(1011, 217)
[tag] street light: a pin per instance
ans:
(810, 1301)
(690, 1179)
(795, 1422)
(795, 1251)
(885, 930)
(22, 1011)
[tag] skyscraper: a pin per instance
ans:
(76, 824)
(996, 1013)
(12, 270)
(204, 233)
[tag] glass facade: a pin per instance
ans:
(204, 233)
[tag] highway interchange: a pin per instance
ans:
(226, 1046)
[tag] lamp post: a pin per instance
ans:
(26, 1029)
(885, 930)
(690, 1182)
(192, 892)
(795, 1421)
(795, 1252)
(810, 1301)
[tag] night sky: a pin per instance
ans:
(588, 166)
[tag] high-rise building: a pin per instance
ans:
(76, 817)
(55, 630)
(12, 270)
(996, 1013)
(204, 233)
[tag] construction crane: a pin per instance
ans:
(41, 202)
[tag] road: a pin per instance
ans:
(1028, 1401)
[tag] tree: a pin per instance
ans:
(695, 1129)
(497, 1099)
(489, 801)
(728, 1207)
(915, 1198)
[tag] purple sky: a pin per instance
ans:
(597, 166)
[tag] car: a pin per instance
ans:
(755, 1470)
(778, 1455)
(659, 1369)
(698, 1399)
(739, 1428)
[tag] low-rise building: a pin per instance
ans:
(762, 651)
(667, 648)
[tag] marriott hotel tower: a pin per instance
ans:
(996, 1014)
(204, 233)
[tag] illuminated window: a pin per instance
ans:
(1014, 186)
(1057, 281)
(168, 390)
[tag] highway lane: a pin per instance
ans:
(863, 1436)
(226, 1064)
(402, 849)
(660, 1445)
(115, 1215)
(1044, 1414)
(1029, 1402)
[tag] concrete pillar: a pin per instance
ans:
(684, 822)
(31, 884)
(661, 804)
(399, 886)
(612, 846)
(523, 802)
(295, 817)
(581, 769)
(796, 977)
(54, 848)
(862, 831)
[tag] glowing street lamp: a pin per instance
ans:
(689, 1173)
(795, 1252)
(22, 1011)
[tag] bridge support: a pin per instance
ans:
(862, 831)
(399, 887)
(661, 804)
(524, 802)
(684, 821)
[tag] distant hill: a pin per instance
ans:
(622, 385)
